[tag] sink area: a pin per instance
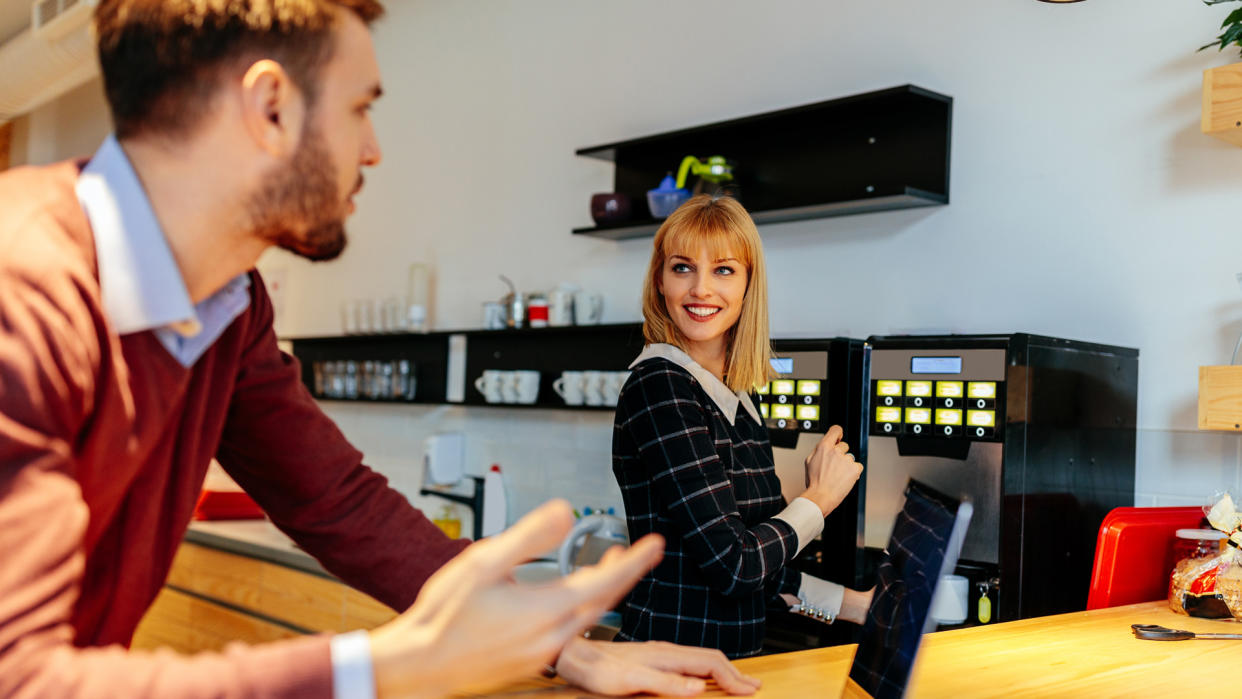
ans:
(537, 572)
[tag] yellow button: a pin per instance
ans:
(981, 418)
(920, 416)
(948, 389)
(808, 387)
(765, 389)
(981, 389)
(763, 409)
(782, 411)
(948, 417)
(783, 387)
(808, 412)
(888, 388)
(919, 388)
(883, 414)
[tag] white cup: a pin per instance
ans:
(593, 387)
(525, 386)
(569, 387)
(613, 381)
(508, 388)
(949, 604)
(588, 308)
(489, 384)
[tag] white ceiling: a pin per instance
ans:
(14, 17)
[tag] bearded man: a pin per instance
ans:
(136, 345)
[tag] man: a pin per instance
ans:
(136, 345)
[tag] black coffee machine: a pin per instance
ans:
(1038, 432)
(819, 383)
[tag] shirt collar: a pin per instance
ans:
(720, 394)
(140, 284)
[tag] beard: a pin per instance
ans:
(299, 208)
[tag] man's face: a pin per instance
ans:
(303, 206)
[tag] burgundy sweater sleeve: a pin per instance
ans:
(49, 363)
(290, 457)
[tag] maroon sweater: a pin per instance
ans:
(104, 443)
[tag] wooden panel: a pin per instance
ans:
(1222, 103)
(188, 624)
(6, 144)
(1220, 398)
(300, 598)
(364, 612)
(1081, 654)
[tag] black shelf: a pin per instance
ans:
(549, 351)
(876, 151)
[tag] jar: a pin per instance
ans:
(537, 311)
(1197, 543)
(1193, 588)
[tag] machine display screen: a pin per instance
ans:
(933, 365)
(782, 365)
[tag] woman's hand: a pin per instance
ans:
(831, 471)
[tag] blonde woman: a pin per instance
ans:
(692, 455)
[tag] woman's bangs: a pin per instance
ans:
(718, 239)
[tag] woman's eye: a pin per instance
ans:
(681, 267)
(724, 270)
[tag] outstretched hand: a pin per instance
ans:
(472, 627)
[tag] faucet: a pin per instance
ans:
(474, 501)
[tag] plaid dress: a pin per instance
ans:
(710, 488)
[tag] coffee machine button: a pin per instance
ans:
(888, 427)
(918, 429)
(781, 423)
(888, 400)
(808, 399)
(948, 402)
(806, 424)
(981, 403)
(782, 399)
(916, 402)
(948, 430)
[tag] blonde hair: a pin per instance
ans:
(723, 227)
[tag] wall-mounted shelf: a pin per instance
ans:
(1220, 398)
(875, 151)
(1222, 103)
(550, 351)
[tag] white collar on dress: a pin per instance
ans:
(725, 399)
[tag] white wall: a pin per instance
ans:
(1084, 199)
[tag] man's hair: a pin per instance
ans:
(720, 225)
(163, 60)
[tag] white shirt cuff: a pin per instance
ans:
(806, 519)
(352, 677)
(821, 594)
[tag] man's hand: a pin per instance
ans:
(655, 667)
(473, 628)
(831, 471)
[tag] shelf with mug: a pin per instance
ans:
(589, 362)
(876, 151)
(574, 367)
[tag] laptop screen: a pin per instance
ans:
(924, 545)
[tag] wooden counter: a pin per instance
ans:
(1079, 654)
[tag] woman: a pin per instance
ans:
(692, 455)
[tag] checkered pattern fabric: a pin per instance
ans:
(905, 583)
(710, 488)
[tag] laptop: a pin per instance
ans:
(926, 540)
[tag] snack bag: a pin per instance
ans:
(1225, 517)
(1211, 586)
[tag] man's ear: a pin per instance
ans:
(273, 108)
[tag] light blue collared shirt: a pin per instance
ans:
(139, 281)
(142, 289)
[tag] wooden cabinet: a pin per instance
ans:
(214, 597)
(1222, 103)
(1220, 398)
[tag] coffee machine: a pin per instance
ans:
(1037, 432)
(819, 383)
